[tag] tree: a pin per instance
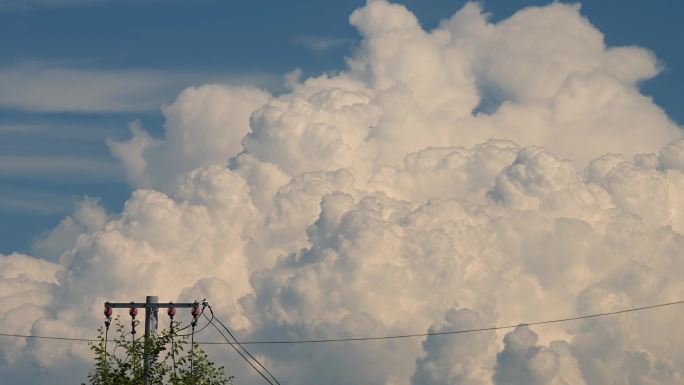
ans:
(120, 361)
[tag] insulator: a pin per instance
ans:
(133, 312)
(195, 311)
(171, 312)
(108, 312)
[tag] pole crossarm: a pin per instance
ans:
(143, 305)
(152, 306)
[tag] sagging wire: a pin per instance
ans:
(195, 315)
(241, 347)
(196, 331)
(378, 338)
(108, 321)
(133, 312)
(172, 312)
(189, 325)
(196, 312)
(232, 345)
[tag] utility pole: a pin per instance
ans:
(151, 306)
(151, 325)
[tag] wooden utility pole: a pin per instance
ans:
(151, 306)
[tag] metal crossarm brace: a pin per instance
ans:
(151, 306)
(127, 305)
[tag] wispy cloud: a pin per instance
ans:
(321, 43)
(11, 131)
(34, 202)
(59, 168)
(44, 88)
(23, 5)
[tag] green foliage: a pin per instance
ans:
(120, 361)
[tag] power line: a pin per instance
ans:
(398, 336)
(49, 337)
(196, 331)
(492, 328)
(240, 353)
(242, 347)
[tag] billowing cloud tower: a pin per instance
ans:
(477, 174)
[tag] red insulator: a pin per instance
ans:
(108, 312)
(171, 312)
(195, 311)
(133, 312)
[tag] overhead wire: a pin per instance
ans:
(74, 339)
(49, 337)
(242, 347)
(195, 315)
(188, 325)
(107, 322)
(240, 353)
(463, 331)
(196, 331)
(374, 338)
(173, 345)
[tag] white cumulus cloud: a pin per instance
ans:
(476, 174)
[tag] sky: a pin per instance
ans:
(347, 168)
(74, 73)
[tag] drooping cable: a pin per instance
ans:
(172, 312)
(242, 347)
(106, 338)
(195, 314)
(108, 321)
(133, 312)
(240, 353)
(463, 331)
(197, 331)
(189, 325)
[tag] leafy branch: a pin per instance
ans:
(121, 360)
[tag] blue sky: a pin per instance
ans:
(484, 174)
(74, 73)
